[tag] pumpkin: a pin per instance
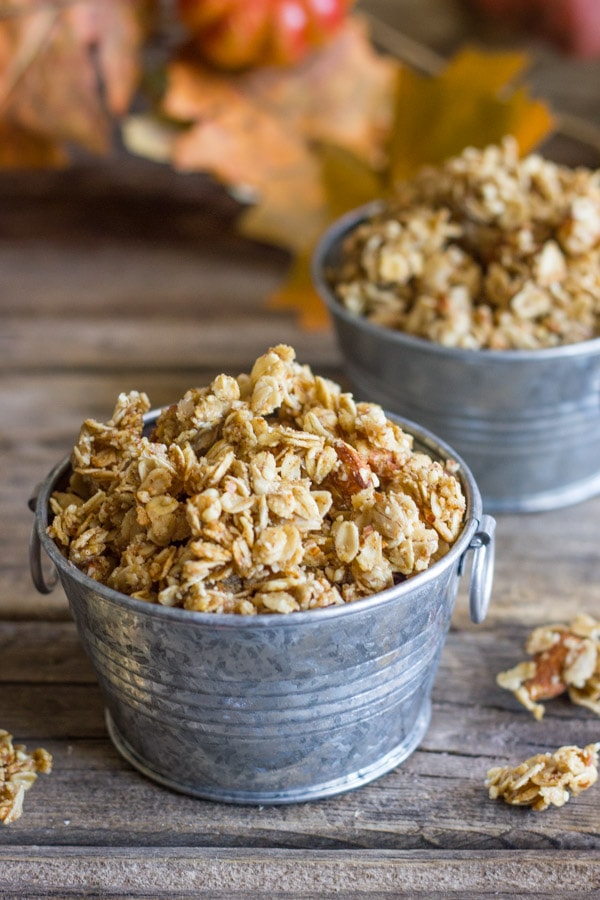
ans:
(236, 34)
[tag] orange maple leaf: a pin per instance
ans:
(259, 129)
(474, 102)
(341, 95)
(65, 68)
(20, 148)
(230, 135)
(347, 182)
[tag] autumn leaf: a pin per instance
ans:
(258, 130)
(112, 28)
(306, 143)
(20, 148)
(348, 182)
(298, 294)
(306, 139)
(341, 96)
(473, 102)
(65, 69)
(230, 135)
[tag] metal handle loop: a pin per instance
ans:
(483, 546)
(44, 585)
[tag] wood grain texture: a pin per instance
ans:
(119, 275)
(435, 801)
(180, 872)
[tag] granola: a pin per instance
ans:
(18, 771)
(271, 492)
(545, 779)
(487, 251)
(565, 658)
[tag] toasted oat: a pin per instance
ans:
(546, 778)
(272, 492)
(485, 251)
(566, 658)
(18, 771)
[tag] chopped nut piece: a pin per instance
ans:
(485, 251)
(545, 779)
(272, 492)
(18, 771)
(565, 658)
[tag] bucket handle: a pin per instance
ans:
(44, 584)
(483, 546)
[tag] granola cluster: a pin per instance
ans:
(18, 770)
(486, 251)
(267, 493)
(546, 778)
(566, 658)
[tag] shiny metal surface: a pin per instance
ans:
(272, 708)
(526, 422)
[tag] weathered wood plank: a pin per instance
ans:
(93, 798)
(435, 800)
(112, 277)
(127, 236)
(46, 654)
(202, 344)
(182, 872)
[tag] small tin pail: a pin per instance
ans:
(272, 708)
(527, 422)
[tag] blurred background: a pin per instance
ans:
(121, 232)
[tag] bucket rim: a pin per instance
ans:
(402, 591)
(332, 237)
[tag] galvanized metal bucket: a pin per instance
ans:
(272, 708)
(526, 422)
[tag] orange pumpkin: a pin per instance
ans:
(236, 34)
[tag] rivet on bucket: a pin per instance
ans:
(273, 708)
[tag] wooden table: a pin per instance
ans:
(122, 275)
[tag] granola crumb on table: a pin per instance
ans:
(545, 779)
(565, 658)
(486, 251)
(18, 771)
(270, 492)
